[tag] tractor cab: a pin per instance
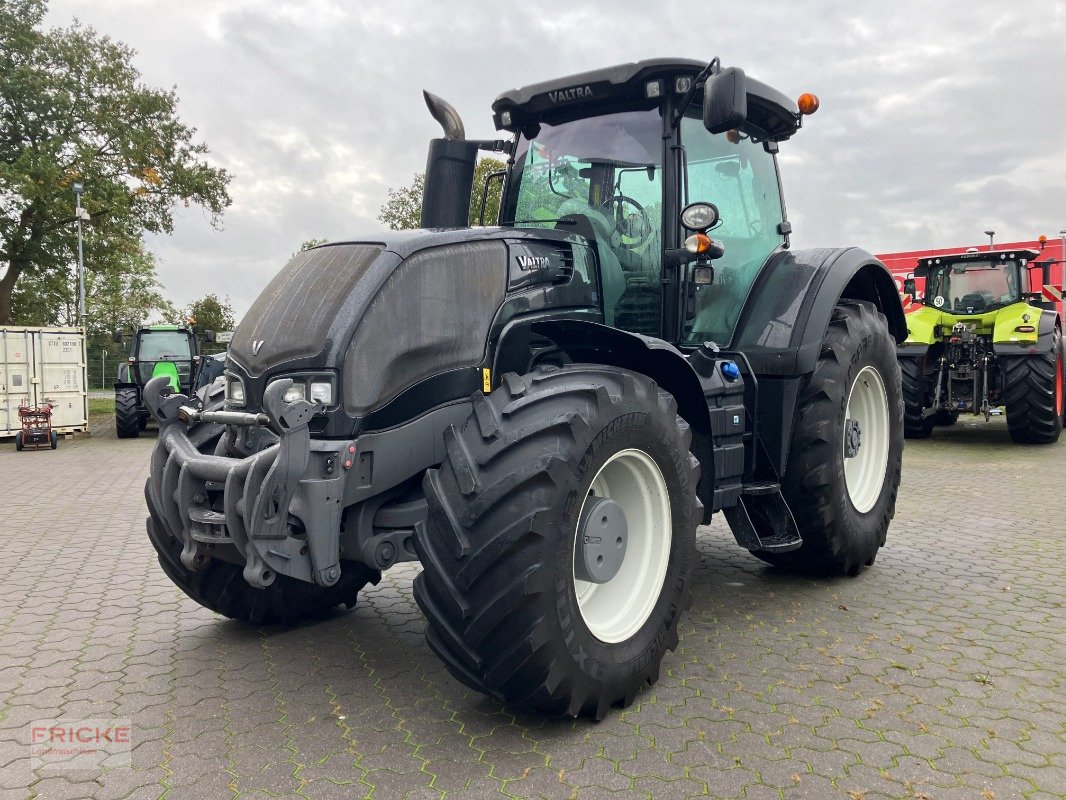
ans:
(168, 351)
(977, 283)
(663, 165)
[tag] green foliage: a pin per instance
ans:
(403, 209)
(212, 313)
(73, 110)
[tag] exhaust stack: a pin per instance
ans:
(449, 170)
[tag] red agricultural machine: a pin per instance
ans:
(36, 428)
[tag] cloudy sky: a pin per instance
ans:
(938, 119)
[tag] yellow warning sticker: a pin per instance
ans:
(486, 380)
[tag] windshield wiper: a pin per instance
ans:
(558, 221)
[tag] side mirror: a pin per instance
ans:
(116, 336)
(908, 287)
(209, 336)
(725, 100)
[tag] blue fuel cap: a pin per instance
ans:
(730, 370)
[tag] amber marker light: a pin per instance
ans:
(808, 103)
(698, 243)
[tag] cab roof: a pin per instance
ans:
(619, 83)
(981, 255)
(631, 85)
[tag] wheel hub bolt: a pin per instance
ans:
(852, 438)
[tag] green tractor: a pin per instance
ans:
(987, 338)
(168, 351)
(542, 412)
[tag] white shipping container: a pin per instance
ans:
(43, 365)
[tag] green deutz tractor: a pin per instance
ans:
(167, 351)
(543, 411)
(985, 339)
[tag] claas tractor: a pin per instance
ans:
(158, 351)
(542, 411)
(987, 337)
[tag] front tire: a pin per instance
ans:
(1033, 395)
(221, 587)
(127, 420)
(843, 503)
(507, 613)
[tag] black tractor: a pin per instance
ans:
(543, 411)
(168, 351)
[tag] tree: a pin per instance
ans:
(212, 313)
(73, 110)
(310, 243)
(403, 209)
(123, 291)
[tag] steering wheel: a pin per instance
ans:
(633, 229)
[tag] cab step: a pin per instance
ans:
(762, 520)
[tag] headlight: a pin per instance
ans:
(234, 391)
(699, 216)
(309, 386)
(322, 391)
(297, 391)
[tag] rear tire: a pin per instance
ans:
(506, 613)
(53, 440)
(20, 442)
(844, 523)
(946, 418)
(221, 587)
(127, 420)
(915, 425)
(1033, 395)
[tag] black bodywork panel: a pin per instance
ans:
(533, 270)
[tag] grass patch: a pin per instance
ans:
(101, 405)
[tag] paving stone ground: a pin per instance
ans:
(938, 674)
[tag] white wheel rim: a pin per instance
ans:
(864, 472)
(615, 610)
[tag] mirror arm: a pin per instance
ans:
(697, 83)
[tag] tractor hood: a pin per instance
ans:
(380, 314)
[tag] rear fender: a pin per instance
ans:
(785, 318)
(1008, 342)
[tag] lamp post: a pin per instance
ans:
(990, 235)
(1062, 254)
(79, 215)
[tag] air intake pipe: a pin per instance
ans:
(449, 170)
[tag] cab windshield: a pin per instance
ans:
(600, 178)
(154, 347)
(975, 286)
(164, 346)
